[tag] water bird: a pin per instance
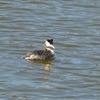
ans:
(47, 53)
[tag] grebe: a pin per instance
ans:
(47, 53)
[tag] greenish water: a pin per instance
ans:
(75, 28)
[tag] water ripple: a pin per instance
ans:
(74, 26)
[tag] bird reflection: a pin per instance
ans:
(47, 63)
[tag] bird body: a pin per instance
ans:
(47, 53)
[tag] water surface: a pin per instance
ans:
(75, 28)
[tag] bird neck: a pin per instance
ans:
(49, 49)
